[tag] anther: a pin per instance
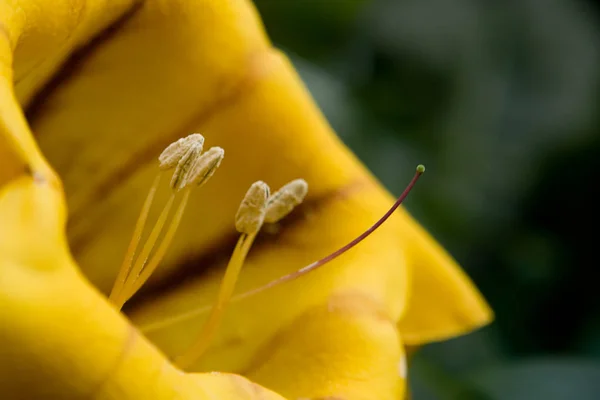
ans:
(181, 174)
(203, 168)
(170, 157)
(283, 201)
(251, 213)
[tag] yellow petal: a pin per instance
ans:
(350, 350)
(222, 386)
(442, 301)
(55, 329)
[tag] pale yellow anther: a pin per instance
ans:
(203, 168)
(251, 214)
(171, 156)
(283, 201)
(181, 174)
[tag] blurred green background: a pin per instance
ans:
(499, 99)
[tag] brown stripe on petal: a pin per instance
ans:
(196, 266)
(75, 63)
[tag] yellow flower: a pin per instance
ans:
(105, 86)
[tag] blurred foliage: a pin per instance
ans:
(500, 101)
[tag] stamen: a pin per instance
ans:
(199, 172)
(165, 323)
(135, 240)
(225, 291)
(170, 157)
(205, 166)
(251, 214)
(142, 259)
(190, 167)
(249, 219)
(283, 201)
(181, 174)
(161, 251)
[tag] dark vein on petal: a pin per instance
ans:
(75, 63)
(195, 266)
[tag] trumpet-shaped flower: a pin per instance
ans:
(91, 93)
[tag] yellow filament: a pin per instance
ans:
(161, 251)
(225, 291)
(135, 240)
(142, 259)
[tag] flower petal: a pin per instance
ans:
(232, 387)
(350, 349)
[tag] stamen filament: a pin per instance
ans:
(152, 327)
(135, 240)
(161, 251)
(142, 259)
(225, 291)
